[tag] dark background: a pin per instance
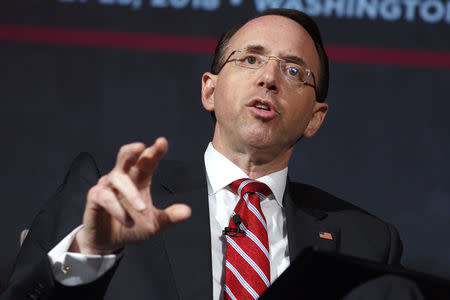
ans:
(384, 146)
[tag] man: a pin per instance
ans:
(266, 90)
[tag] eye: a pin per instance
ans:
(292, 71)
(251, 60)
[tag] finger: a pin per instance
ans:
(107, 199)
(128, 155)
(127, 190)
(149, 159)
(173, 214)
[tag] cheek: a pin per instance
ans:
(223, 107)
(304, 93)
(300, 115)
(226, 97)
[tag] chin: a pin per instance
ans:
(260, 141)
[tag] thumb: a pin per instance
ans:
(174, 214)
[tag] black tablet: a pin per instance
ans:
(321, 275)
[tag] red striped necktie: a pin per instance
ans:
(247, 263)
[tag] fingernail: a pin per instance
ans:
(139, 204)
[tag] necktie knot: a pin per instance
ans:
(248, 186)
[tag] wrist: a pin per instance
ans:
(81, 244)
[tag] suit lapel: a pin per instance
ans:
(188, 244)
(306, 227)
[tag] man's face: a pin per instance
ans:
(240, 97)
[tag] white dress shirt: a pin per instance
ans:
(76, 269)
(222, 200)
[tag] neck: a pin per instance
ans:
(255, 162)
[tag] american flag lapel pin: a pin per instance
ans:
(325, 235)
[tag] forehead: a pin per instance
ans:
(279, 36)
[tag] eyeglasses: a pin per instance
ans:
(292, 71)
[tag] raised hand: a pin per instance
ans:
(119, 208)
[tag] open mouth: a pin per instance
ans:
(262, 106)
(262, 109)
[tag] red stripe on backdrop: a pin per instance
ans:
(190, 44)
(385, 56)
(107, 39)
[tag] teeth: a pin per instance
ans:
(262, 106)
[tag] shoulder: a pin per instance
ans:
(83, 167)
(323, 205)
(361, 233)
(315, 200)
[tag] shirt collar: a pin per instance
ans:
(221, 172)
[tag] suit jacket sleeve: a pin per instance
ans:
(32, 277)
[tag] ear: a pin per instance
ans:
(208, 88)
(319, 112)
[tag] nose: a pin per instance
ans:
(269, 75)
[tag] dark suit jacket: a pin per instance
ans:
(176, 264)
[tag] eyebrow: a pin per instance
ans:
(255, 48)
(290, 58)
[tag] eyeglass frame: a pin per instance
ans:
(310, 72)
